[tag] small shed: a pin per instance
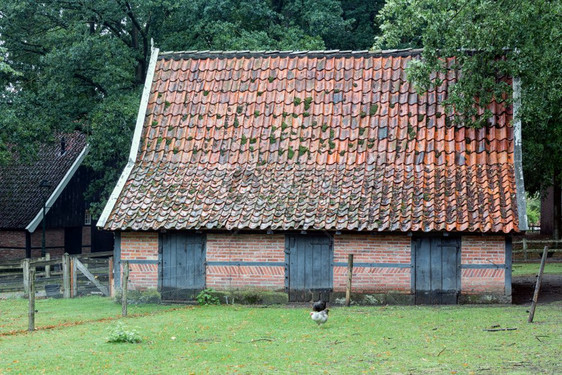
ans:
(266, 169)
(56, 181)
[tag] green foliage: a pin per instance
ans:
(290, 152)
(120, 334)
(81, 65)
(534, 209)
(490, 39)
(139, 297)
(307, 102)
(206, 297)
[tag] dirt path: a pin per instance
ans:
(523, 288)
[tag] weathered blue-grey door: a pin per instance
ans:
(437, 272)
(309, 264)
(183, 265)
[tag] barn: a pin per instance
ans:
(55, 180)
(264, 170)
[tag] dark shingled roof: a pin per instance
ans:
(320, 140)
(20, 195)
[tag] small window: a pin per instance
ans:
(87, 218)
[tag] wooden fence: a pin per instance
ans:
(71, 275)
(532, 249)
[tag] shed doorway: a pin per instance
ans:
(73, 240)
(309, 267)
(183, 266)
(437, 270)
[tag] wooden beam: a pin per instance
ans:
(537, 286)
(66, 275)
(110, 276)
(91, 277)
(124, 288)
(73, 277)
(25, 266)
(31, 308)
(349, 278)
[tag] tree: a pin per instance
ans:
(489, 39)
(68, 65)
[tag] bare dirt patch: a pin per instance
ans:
(523, 288)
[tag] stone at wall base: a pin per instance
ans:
(484, 298)
(374, 299)
(251, 297)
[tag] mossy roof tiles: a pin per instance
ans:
(321, 140)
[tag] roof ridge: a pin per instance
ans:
(201, 54)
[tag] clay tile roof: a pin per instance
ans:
(315, 140)
(21, 198)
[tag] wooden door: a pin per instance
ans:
(437, 271)
(309, 267)
(183, 266)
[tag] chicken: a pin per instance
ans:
(320, 317)
(319, 306)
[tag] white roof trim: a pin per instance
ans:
(135, 143)
(58, 190)
(517, 156)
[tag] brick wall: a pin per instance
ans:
(141, 246)
(389, 249)
(483, 250)
(12, 245)
(245, 248)
(143, 276)
(54, 242)
(86, 239)
(368, 251)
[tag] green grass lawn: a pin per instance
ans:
(530, 269)
(253, 340)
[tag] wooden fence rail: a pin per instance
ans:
(92, 266)
(536, 247)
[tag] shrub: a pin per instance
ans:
(119, 334)
(139, 297)
(206, 297)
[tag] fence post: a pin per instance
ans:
(349, 277)
(25, 269)
(110, 276)
(31, 309)
(66, 275)
(125, 281)
(537, 286)
(524, 248)
(74, 279)
(48, 266)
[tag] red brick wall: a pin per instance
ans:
(141, 246)
(86, 240)
(373, 249)
(245, 248)
(54, 241)
(143, 276)
(12, 245)
(483, 250)
(365, 248)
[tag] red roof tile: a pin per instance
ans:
(324, 140)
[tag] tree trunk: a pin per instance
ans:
(557, 201)
(141, 62)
